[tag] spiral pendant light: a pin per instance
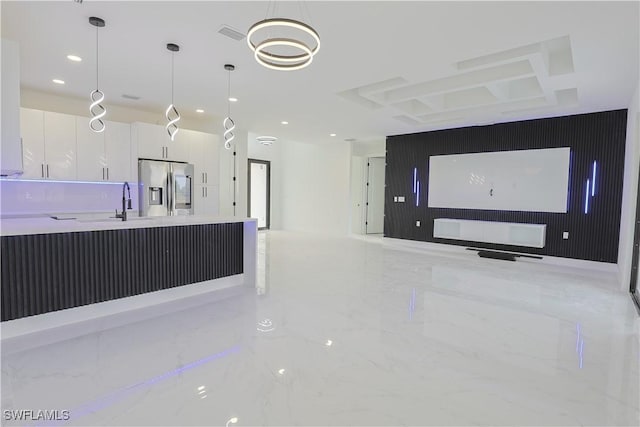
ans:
(96, 109)
(228, 123)
(172, 115)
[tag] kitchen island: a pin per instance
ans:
(50, 265)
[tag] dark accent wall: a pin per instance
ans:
(595, 136)
(49, 272)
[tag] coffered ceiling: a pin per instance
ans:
(384, 68)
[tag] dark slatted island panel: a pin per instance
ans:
(49, 272)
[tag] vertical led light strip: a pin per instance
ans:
(593, 180)
(418, 193)
(569, 180)
(415, 178)
(586, 198)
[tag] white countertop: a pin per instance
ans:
(46, 225)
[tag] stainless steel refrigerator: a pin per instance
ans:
(165, 188)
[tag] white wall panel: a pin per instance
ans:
(523, 180)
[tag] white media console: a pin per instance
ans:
(505, 233)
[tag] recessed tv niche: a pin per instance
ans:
(523, 180)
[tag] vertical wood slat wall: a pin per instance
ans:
(49, 272)
(592, 137)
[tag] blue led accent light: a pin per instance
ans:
(415, 178)
(569, 189)
(581, 351)
(593, 181)
(53, 181)
(418, 193)
(586, 199)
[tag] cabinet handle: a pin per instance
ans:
(203, 192)
(167, 152)
(206, 177)
(103, 174)
(47, 170)
(42, 167)
(206, 191)
(107, 173)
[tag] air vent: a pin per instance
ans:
(135, 98)
(231, 33)
(266, 140)
(350, 139)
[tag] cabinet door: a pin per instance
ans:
(178, 149)
(32, 133)
(118, 152)
(92, 162)
(205, 200)
(60, 145)
(205, 158)
(151, 140)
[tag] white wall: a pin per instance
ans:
(271, 153)
(360, 151)
(315, 187)
(629, 192)
(226, 176)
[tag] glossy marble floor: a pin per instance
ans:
(346, 331)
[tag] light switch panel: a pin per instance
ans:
(395, 199)
(417, 223)
(401, 199)
(565, 235)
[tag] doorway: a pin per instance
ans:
(259, 192)
(374, 203)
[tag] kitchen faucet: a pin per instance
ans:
(126, 202)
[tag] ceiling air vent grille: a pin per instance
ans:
(232, 33)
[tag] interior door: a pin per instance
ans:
(375, 195)
(259, 192)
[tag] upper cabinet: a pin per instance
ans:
(104, 156)
(154, 143)
(49, 145)
(11, 147)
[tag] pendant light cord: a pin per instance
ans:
(97, 60)
(229, 94)
(172, 58)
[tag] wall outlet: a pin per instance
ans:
(417, 223)
(395, 199)
(401, 199)
(565, 235)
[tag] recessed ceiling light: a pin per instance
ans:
(199, 110)
(58, 81)
(332, 134)
(232, 99)
(284, 122)
(74, 58)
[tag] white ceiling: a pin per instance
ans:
(418, 65)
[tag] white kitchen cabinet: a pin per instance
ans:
(154, 143)
(60, 146)
(205, 200)
(117, 145)
(205, 156)
(104, 156)
(49, 145)
(32, 132)
(92, 161)
(11, 147)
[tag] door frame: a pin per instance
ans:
(366, 196)
(635, 253)
(268, 164)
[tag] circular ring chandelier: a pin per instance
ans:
(263, 50)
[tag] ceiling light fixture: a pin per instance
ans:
(97, 110)
(265, 48)
(74, 58)
(199, 110)
(284, 122)
(172, 114)
(58, 81)
(332, 134)
(232, 99)
(266, 140)
(228, 123)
